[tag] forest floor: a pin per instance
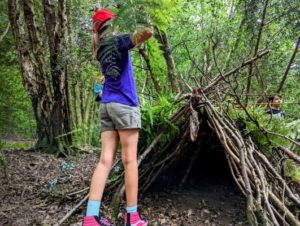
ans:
(39, 189)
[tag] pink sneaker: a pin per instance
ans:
(134, 219)
(95, 221)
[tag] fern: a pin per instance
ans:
(156, 117)
(291, 170)
(266, 142)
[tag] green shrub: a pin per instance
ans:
(156, 117)
(267, 142)
(291, 170)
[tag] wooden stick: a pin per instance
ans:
(72, 211)
(291, 218)
(290, 154)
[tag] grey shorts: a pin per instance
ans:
(115, 116)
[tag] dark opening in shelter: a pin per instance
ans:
(202, 162)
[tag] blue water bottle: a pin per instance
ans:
(97, 91)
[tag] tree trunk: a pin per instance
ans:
(31, 66)
(147, 60)
(56, 27)
(50, 101)
(165, 47)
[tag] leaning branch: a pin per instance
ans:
(289, 65)
(290, 154)
(221, 77)
(5, 32)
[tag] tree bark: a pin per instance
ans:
(56, 28)
(50, 99)
(162, 38)
(31, 68)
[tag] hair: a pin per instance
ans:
(96, 37)
(271, 98)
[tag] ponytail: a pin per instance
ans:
(96, 36)
(95, 43)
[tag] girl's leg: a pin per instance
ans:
(129, 141)
(110, 140)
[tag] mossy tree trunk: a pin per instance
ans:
(162, 38)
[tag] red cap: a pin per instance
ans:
(100, 16)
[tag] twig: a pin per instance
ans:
(5, 32)
(282, 136)
(77, 192)
(78, 205)
(72, 211)
(290, 154)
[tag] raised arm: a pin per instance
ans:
(140, 36)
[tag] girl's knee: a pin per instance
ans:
(106, 162)
(128, 160)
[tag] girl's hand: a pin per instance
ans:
(140, 36)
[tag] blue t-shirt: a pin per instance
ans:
(115, 63)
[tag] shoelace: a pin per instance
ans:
(105, 221)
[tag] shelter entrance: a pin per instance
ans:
(201, 162)
(198, 187)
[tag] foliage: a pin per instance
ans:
(261, 122)
(294, 133)
(258, 123)
(18, 145)
(156, 117)
(87, 134)
(294, 127)
(157, 61)
(291, 170)
(137, 13)
(16, 116)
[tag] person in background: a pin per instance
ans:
(275, 102)
(119, 116)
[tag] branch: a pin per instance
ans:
(291, 218)
(290, 154)
(256, 49)
(221, 77)
(72, 211)
(282, 136)
(5, 32)
(78, 204)
(289, 65)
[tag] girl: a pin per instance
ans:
(119, 116)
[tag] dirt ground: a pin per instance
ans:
(39, 189)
